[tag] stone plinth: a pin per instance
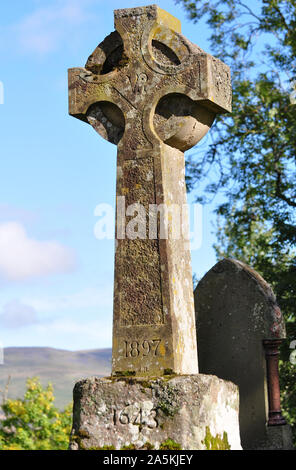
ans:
(178, 412)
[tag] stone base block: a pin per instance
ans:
(174, 412)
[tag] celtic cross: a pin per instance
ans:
(154, 94)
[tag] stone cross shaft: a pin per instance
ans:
(154, 94)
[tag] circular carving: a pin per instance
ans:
(107, 119)
(164, 50)
(181, 122)
(164, 54)
(112, 60)
(107, 55)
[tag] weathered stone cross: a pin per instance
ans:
(154, 94)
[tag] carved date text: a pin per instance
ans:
(142, 348)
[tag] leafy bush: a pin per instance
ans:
(34, 423)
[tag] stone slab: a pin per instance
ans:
(178, 412)
(236, 310)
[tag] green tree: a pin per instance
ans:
(33, 423)
(251, 161)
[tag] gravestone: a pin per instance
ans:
(154, 94)
(239, 329)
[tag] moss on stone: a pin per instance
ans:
(145, 384)
(168, 372)
(128, 447)
(101, 448)
(216, 443)
(148, 446)
(170, 444)
(78, 439)
(83, 433)
(125, 373)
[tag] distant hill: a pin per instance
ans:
(60, 367)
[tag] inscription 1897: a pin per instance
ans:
(142, 348)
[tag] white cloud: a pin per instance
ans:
(63, 333)
(68, 333)
(10, 212)
(47, 27)
(90, 297)
(22, 257)
(16, 314)
(77, 334)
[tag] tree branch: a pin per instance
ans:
(249, 10)
(278, 191)
(277, 9)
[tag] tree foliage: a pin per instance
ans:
(251, 160)
(34, 423)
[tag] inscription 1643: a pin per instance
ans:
(142, 348)
(137, 415)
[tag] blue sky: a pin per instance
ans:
(56, 278)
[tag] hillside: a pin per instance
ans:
(61, 368)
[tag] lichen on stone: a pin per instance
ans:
(167, 398)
